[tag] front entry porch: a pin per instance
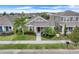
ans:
(37, 31)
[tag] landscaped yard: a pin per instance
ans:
(17, 37)
(37, 46)
(56, 38)
(29, 37)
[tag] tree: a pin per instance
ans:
(57, 29)
(44, 15)
(23, 13)
(48, 32)
(74, 36)
(11, 13)
(19, 24)
(65, 30)
(4, 13)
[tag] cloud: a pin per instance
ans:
(26, 11)
(31, 9)
(74, 7)
(26, 7)
(46, 7)
(60, 7)
(56, 7)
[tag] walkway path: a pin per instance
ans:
(38, 36)
(34, 42)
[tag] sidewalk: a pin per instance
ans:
(35, 42)
(39, 51)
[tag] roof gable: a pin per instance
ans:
(37, 19)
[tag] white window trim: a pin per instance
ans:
(68, 17)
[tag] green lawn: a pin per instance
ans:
(37, 46)
(18, 37)
(29, 37)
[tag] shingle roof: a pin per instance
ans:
(4, 20)
(7, 19)
(38, 21)
(67, 13)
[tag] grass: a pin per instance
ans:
(37, 46)
(17, 37)
(55, 38)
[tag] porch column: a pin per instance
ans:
(12, 28)
(35, 30)
(62, 29)
(3, 28)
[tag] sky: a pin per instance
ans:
(37, 8)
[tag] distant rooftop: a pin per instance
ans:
(67, 13)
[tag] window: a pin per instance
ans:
(61, 18)
(64, 19)
(8, 28)
(30, 28)
(69, 29)
(71, 18)
(67, 19)
(76, 18)
(0, 28)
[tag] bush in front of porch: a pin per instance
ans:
(48, 32)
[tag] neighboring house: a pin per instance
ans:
(37, 23)
(5, 24)
(70, 18)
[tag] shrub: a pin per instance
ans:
(48, 32)
(74, 36)
(30, 33)
(6, 33)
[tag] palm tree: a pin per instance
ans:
(19, 24)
